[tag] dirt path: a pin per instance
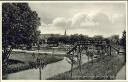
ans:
(102, 69)
(121, 75)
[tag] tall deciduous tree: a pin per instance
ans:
(123, 43)
(123, 40)
(19, 27)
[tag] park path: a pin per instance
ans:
(121, 75)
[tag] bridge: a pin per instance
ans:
(99, 45)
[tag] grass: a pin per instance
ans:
(52, 59)
(103, 69)
(31, 57)
(26, 61)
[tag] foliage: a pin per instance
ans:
(19, 24)
(19, 27)
(123, 40)
(98, 37)
(114, 39)
(105, 69)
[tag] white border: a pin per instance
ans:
(126, 40)
(67, 1)
(125, 2)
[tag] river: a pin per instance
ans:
(49, 71)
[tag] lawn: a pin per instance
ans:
(22, 61)
(102, 69)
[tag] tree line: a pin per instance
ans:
(72, 39)
(19, 27)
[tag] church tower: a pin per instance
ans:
(65, 34)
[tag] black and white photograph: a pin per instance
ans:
(64, 40)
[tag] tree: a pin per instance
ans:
(98, 37)
(123, 40)
(74, 38)
(114, 39)
(19, 27)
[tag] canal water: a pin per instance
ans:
(49, 71)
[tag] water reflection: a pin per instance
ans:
(49, 71)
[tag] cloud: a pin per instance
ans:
(82, 20)
(98, 18)
(83, 23)
(78, 19)
(101, 18)
(59, 22)
(98, 24)
(58, 25)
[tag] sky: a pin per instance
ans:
(88, 18)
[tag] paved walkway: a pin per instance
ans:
(40, 51)
(121, 75)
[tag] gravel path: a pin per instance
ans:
(121, 75)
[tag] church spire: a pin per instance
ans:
(65, 33)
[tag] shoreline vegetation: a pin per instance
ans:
(101, 69)
(18, 65)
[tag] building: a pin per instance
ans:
(46, 36)
(65, 34)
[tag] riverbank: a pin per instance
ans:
(49, 71)
(27, 62)
(103, 69)
(30, 65)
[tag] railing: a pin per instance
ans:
(86, 43)
(81, 45)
